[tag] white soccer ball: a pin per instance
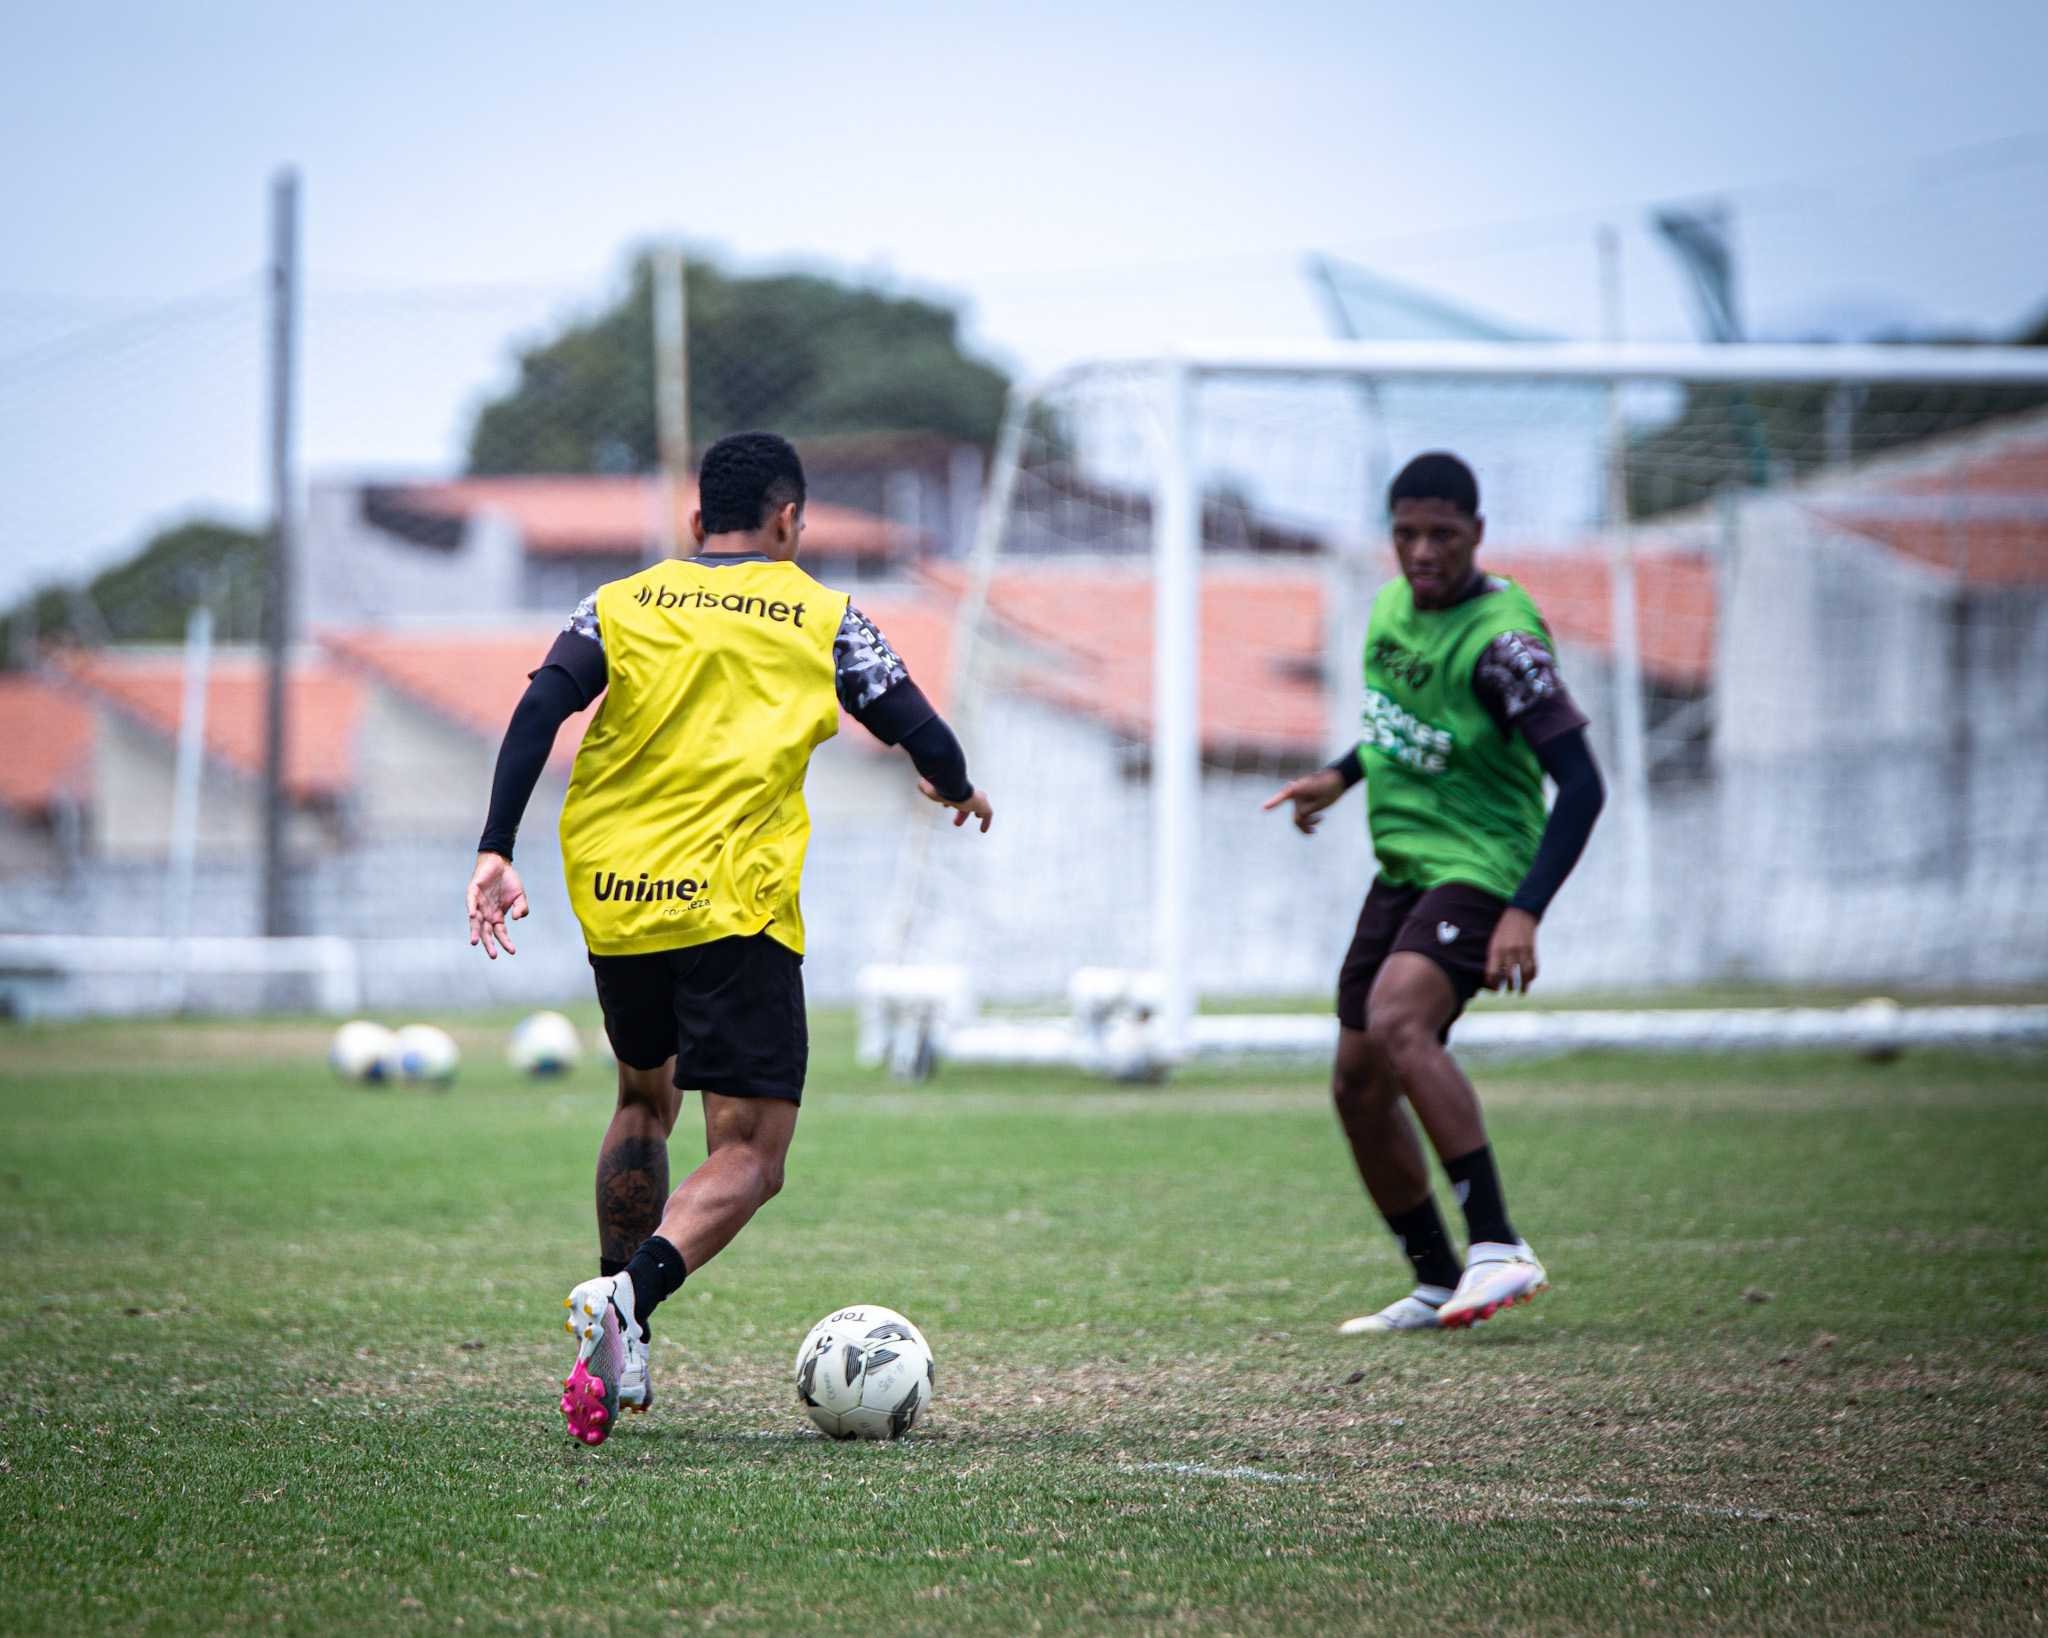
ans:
(427, 1055)
(363, 1051)
(865, 1373)
(545, 1044)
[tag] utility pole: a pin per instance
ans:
(277, 578)
(668, 269)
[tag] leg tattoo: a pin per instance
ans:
(632, 1188)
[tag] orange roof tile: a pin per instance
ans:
(1082, 639)
(1262, 649)
(1262, 637)
(1983, 517)
(1675, 602)
(48, 735)
(570, 514)
(474, 678)
(324, 707)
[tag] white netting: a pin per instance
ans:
(1841, 611)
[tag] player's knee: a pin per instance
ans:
(1363, 1082)
(648, 1090)
(768, 1170)
(1351, 1087)
(1402, 1034)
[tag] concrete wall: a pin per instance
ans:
(419, 777)
(1064, 878)
(1883, 765)
(128, 816)
(350, 570)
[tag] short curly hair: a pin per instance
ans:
(744, 478)
(1439, 475)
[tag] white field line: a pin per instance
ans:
(1199, 1471)
(1630, 1502)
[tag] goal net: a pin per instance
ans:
(1802, 593)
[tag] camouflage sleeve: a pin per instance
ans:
(584, 621)
(864, 666)
(1516, 680)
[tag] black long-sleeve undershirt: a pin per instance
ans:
(937, 755)
(1568, 759)
(900, 716)
(552, 697)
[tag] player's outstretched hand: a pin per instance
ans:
(496, 896)
(1310, 795)
(974, 807)
(1511, 953)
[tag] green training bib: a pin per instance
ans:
(1449, 797)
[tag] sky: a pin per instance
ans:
(1079, 177)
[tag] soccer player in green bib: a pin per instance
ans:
(1464, 716)
(683, 840)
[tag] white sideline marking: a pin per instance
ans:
(1673, 1507)
(1200, 1471)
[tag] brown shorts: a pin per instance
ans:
(1452, 925)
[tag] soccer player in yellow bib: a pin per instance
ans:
(683, 840)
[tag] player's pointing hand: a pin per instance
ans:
(1310, 795)
(973, 806)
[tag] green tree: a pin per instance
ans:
(146, 598)
(792, 352)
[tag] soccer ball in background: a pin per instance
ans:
(363, 1051)
(865, 1373)
(544, 1044)
(426, 1055)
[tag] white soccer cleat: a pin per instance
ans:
(1415, 1312)
(636, 1381)
(611, 1360)
(1496, 1276)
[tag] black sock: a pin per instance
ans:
(657, 1273)
(608, 1266)
(1477, 1186)
(1420, 1231)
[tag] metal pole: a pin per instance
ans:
(963, 676)
(277, 584)
(1176, 704)
(1631, 773)
(185, 805)
(671, 385)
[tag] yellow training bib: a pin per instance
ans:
(685, 820)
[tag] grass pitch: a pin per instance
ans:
(282, 1356)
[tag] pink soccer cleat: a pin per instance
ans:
(608, 1346)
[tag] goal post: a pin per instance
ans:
(1594, 448)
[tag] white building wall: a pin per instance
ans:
(351, 571)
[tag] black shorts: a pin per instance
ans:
(730, 1012)
(1452, 925)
